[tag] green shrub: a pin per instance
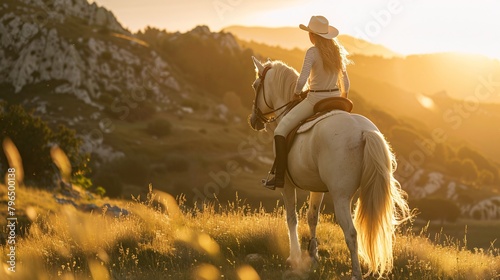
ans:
(33, 139)
(86, 183)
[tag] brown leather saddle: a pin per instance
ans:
(333, 103)
(322, 107)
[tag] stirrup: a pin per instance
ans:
(267, 180)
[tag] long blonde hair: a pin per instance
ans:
(334, 57)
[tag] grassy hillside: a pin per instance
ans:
(161, 238)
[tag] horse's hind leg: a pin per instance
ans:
(290, 199)
(343, 216)
(315, 201)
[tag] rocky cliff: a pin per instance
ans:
(79, 51)
(80, 45)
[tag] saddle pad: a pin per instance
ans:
(310, 124)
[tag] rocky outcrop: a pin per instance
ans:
(35, 48)
(102, 65)
(425, 184)
(78, 49)
(60, 10)
(226, 41)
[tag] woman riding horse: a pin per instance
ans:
(343, 154)
(324, 67)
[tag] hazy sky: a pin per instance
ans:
(405, 26)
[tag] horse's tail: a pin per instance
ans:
(381, 205)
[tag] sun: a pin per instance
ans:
(425, 101)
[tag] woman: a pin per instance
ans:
(325, 69)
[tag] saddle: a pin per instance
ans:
(321, 108)
(333, 103)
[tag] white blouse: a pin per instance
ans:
(319, 79)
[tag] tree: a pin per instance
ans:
(479, 160)
(33, 138)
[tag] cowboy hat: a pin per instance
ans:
(319, 25)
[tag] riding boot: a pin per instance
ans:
(278, 181)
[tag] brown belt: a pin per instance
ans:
(324, 90)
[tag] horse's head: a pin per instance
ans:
(272, 86)
(258, 120)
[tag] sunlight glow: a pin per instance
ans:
(98, 270)
(14, 159)
(247, 272)
(426, 102)
(404, 26)
(444, 26)
(208, 244)
(207, 272)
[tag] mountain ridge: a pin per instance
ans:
(291, 38)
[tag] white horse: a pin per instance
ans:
(340, 154)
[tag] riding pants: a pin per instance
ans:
(300, 112)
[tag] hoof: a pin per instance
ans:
(314, 264)
(357, 278)
(297, 262)
(313, 248)
(292, 263)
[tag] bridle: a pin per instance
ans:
(256, 110)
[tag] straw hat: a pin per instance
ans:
(319, 25)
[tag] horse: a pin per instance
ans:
(342, 154)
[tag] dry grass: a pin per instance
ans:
(162, 239)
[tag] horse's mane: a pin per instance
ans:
(285, 77)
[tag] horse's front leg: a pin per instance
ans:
(290, 200)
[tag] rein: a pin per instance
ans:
(263, 116)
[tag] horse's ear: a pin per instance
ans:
(258, 65)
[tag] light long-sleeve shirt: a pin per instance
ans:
(319, 79)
